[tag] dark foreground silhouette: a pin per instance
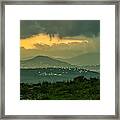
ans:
(78, 89)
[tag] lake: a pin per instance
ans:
(33, 76)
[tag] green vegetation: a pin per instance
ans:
(78, 89)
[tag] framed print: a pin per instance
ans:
(60, 60)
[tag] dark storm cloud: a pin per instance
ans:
(61, 27)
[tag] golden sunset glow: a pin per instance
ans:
(44, 39)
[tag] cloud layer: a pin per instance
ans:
(62, 27)
(65, 47)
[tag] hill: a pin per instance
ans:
(85, 59)
(43, 62)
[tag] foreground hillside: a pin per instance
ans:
(78, 89)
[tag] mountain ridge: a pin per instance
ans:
(84, 59)
(43, 61)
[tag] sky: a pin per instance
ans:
(59, 39)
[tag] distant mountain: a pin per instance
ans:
(85, 59)
(43, 62)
